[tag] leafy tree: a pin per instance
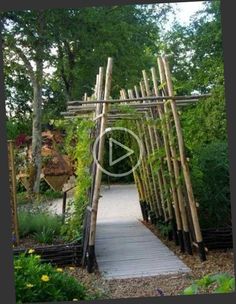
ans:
(26, 43)
(88, 36)
(196, 51)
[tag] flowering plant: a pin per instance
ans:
(41, 282)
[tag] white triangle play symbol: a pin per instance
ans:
(113, 141)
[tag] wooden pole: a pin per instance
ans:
(97, 187)
(136, 91)
(156, 98)
(184, 162)
(159, 171)
(149, 206)
(93, 168)
(164, 126)
(151, 180)
(64, 205)
(85, 97)
(146, 197)
(157, 207)
(185, 230)
(13, 198)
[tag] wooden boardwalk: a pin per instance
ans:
(125, 248)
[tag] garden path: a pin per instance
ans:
(125, 248)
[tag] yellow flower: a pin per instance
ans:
(38, 256)
(71, 268)
(45, 278)
(29, 285)
(75, 300)
(31, 251)
(59, 270)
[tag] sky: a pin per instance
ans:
(186, 9)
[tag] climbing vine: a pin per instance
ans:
(78, 146)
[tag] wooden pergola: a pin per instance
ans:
(168, 197)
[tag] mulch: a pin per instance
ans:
(218, 261)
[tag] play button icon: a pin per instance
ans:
(115, 145)
(111, 143)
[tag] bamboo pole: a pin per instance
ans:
(160, 174)
(172, 177)
(85, 97)
(166, 97)
(144, 203)
(149, 203)
(184, 162)
(139, 186)
(151, 105)
(185, 230)
(157, 207)
(150, 173)
(146, 198)
(93, 167)
(136, 92)
(96, 195)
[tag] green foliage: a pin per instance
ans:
(78, 145)
(219, 283)
(163, 228)
(36, 282)
(196, 51)
(69, 41)
(205, 122)
(46, 236)
(16, 127)
(210, 176)
(40, 225)
(46, 194)
(22, 198)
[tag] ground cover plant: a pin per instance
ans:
(218, 283)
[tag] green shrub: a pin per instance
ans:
(210, 176)
(41, 282)
(205, 122)
(42, 226)
(219, 283)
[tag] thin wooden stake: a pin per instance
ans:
(13, 198)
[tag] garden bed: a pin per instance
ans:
(60, 255)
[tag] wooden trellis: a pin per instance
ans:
(165, 193)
